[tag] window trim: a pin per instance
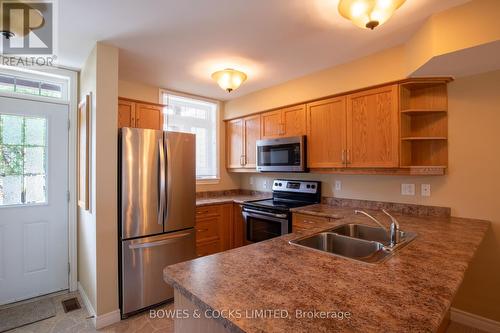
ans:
(39, 76)
(217, 178)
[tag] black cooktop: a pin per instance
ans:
(278, 204)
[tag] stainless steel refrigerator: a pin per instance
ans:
(156, 214)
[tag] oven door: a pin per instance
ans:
(261, 225)
(281, 155)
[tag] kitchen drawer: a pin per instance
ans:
(204, 249)
(207, 229)
(206, 211)
(304, 221)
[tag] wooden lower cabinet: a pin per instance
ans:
(218, 228)
(238, 228)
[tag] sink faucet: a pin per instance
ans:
(394, 230)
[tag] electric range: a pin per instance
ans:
(265, 219)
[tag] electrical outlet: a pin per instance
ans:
(408, 189)
(338, 185)
(251, 181)
(425, 190)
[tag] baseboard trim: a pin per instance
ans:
(107, 319)
(475, 321)
(102, 320)
(86, 301)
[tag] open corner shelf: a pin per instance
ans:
(423, 112)
(424, 126)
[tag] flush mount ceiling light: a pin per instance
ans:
(368, 13)
(229, 79)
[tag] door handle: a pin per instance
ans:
(164, 241)
(169, 179)
(343, 156)
(348, 156)
(161, 188)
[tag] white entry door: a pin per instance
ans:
(33, 198)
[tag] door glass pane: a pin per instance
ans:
(35, 131)
(34, 160)
(23, 160)
(11, 190)
(12, 130)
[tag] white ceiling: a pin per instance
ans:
(177, 44)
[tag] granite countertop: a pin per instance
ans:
(323, 210)
(237, 198)
(411, 292)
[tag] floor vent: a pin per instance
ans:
(70, 304)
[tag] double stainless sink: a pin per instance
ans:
(356, 241)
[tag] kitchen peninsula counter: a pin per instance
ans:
(410, 292)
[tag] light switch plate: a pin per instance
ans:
(408, 189)
(265, 184)
(251, 181)
(338, 185)
(425, 190)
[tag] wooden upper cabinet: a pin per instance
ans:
(294, 120)
(326, 133)
(284, 122)
(234, 143)
(251, 129)
(126, 114)
(138, 114)
(373, 128)
(241, 141)
(149, 116)
(271, 124)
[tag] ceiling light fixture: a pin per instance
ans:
(229, 79)
(368, 13)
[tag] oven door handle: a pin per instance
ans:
(266, 214)
(246, 215)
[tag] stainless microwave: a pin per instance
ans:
(282, 154)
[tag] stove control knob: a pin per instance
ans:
(308, 186)
(313, 186)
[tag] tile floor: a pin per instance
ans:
(79, 321)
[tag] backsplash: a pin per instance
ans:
(402, 208)
(213, 194)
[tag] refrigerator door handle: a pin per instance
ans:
(161, 194)
(169, 178)
(164, 241)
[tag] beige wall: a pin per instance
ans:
(472, 24)
(470, 187)
(97, 228)
(140, 91)
(87, 276)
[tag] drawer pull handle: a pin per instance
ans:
(201, 230)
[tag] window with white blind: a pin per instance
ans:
(197, 116)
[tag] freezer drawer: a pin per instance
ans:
(143, 261)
